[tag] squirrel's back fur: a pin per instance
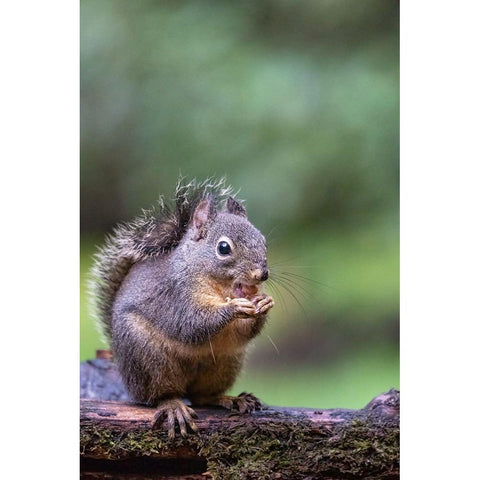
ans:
(156, 232)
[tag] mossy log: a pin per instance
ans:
(117, 441)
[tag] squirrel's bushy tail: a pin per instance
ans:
(154, 233)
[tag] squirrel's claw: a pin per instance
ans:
(244, 403)
(243, 306)
(175, 412)
(263, 304)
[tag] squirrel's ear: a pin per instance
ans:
(204, 212)
(235, 207)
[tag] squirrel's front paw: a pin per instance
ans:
(263, 304)
(242, 306)
(174, 412)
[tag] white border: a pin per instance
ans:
(39, 239)
(439, 238)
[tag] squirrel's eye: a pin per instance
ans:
(224, 248)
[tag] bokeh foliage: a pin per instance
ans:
(297, 104)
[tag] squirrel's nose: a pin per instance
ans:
(261, 274)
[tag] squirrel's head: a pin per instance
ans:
(226, 246)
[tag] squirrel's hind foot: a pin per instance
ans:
(244, 403)
(175, 412)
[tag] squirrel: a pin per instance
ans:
(178, 295)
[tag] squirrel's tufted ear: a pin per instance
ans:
(235, 207)
(204, 212)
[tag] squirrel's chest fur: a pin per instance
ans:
(160, 309)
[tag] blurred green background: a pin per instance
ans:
(297, 103)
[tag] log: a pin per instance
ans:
(116, 439)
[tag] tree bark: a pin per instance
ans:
(117, 441)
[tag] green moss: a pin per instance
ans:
(294, 451)
(269, 450)
(114, 445)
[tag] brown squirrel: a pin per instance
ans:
(178, 293)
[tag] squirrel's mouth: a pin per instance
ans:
(244, 290)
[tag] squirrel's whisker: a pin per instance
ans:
(211, 349)
(281, 282)
(269, 237)
(306, 293)
(273, 343)
(283, 262)
(310, 280)
(278, 293)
